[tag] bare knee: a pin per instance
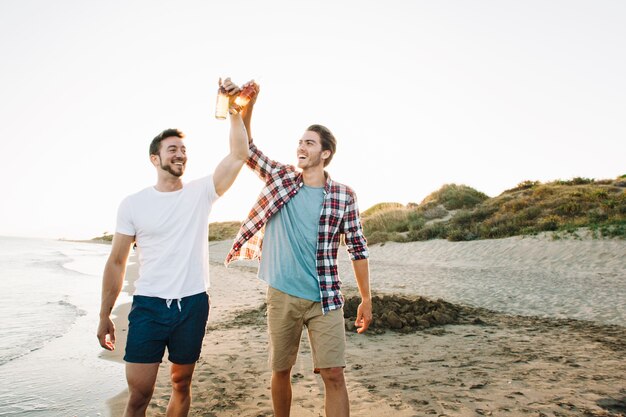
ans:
(141, 379)
(333, 377)
(282, 375)
(138, 399)
(181, 383)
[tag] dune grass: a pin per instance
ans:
(529, 208)
(106, 237)
(223, 230)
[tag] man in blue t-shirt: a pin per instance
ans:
(297, 221)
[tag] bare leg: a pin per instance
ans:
(181, 390)
(141, 378)
(336, 401)
(281, 392)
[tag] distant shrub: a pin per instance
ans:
(454, 197)
(543, 191)
(568, 208)
(614, 230)
(431, 231)
(620, 182)
(415, 220)
(529, 213)
(436, 212)
(548, 223)
(377, 237)
(498, 226)
(380, 207)
(525, 185)
(106, 237)
(459, 235)
(600, 194)
(597, 216)
(223, 230)
(391, 220)
(463, 218)
(576, 181)
(516, 204)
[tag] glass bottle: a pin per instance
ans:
(245, 95)
(221, 105)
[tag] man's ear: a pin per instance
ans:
(155, 160)
(325, 154)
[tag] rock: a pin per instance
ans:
(350, 325)
(441, 318)
(423, 323)
(393, 319)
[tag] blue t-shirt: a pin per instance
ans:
(290, 245)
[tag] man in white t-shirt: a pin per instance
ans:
(169, 223)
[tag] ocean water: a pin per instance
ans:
(49, 355)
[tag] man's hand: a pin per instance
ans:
(246, 113)
(232, 90)
(106, 328)
(257, 89)
(363, 316)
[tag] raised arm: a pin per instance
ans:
(246, 113)
(257, 160)
(114, 272)
(228, 169)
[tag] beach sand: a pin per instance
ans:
(491, 363)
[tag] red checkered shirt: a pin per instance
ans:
(340, 215)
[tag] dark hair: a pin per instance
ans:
(155, 145)
(329, 143)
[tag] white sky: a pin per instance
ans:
(419, 94)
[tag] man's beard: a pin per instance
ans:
(314, 161)
(169, 169)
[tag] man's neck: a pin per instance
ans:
(168, 185)
(314, 177)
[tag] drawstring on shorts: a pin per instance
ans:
(168, 302)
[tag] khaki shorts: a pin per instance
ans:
(286, 316)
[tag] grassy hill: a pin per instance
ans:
(223, 230)
(458, 212)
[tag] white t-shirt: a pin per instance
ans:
(172, 234)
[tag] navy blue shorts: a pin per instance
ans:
(153, 326)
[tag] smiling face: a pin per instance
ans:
(309, 152)
(172, 156)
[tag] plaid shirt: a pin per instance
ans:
(340, 215)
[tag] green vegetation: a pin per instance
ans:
(376, 208)
(106, 237)
(460, 213)
(454, 197)
(223, 230)
(419, 221)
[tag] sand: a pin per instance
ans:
(549, 340)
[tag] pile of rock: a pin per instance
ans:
(405, 315)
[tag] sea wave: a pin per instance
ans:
(58, 264)
(33, 330)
